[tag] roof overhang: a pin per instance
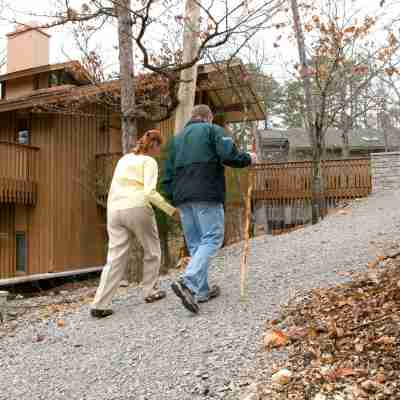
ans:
(59, 95)
(231, 89)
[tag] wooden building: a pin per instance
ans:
(54, 124)
(293, 144)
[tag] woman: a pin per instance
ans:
(129, 212)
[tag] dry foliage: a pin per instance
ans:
(342, 342)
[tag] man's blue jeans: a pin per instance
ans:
(203, 227)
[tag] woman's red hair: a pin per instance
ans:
(147, 141)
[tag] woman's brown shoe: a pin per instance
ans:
(100, 313)
(160, 294)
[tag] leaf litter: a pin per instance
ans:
(343, 343)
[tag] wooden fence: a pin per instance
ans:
(341, 179)
(19, 173)
(282, 192)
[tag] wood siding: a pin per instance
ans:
(7, 241)
(8, 126)
(65, 228)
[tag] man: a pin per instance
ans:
(195, 182)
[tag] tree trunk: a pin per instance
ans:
(128, 115)
(305, 72)
(316, 199)
(386, 126)
(346, 143)
(345, 122)
(314, 132)
(187, 85)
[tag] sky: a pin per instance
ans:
(62, 46)
(278, 60)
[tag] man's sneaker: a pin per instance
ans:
(213, 292)
(185, 295)
(100, 313)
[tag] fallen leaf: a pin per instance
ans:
(358, 393)
(343, 372)
(282, 377)
(385, 340)
(359, 347)
(313, 333)
(60, 323)
(275, 338)
(346, 302)
(369, 386)
(296, 333)
(275, 322)
(329, 387)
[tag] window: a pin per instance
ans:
(23, 136)
(60, 77)
(21, 251)
(53, 79)
(2, 90)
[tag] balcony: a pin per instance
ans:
(19, 173)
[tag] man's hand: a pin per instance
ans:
(254, 159)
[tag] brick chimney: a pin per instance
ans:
(27, 47)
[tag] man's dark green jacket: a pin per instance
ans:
(194, 169)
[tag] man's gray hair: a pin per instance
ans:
(201, 111)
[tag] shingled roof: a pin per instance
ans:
(359, 138)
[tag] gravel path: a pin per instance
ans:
(161, 352)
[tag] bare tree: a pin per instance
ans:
(128, 115)
(337, 65)
(314, 130)
(187, 85)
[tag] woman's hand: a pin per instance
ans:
(176, 216)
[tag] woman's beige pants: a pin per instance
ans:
(121, 225)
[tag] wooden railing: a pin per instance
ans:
(19, 173)
(282, 192)
(341, 179)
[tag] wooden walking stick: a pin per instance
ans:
(246, 246)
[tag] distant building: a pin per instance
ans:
(294, 143)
